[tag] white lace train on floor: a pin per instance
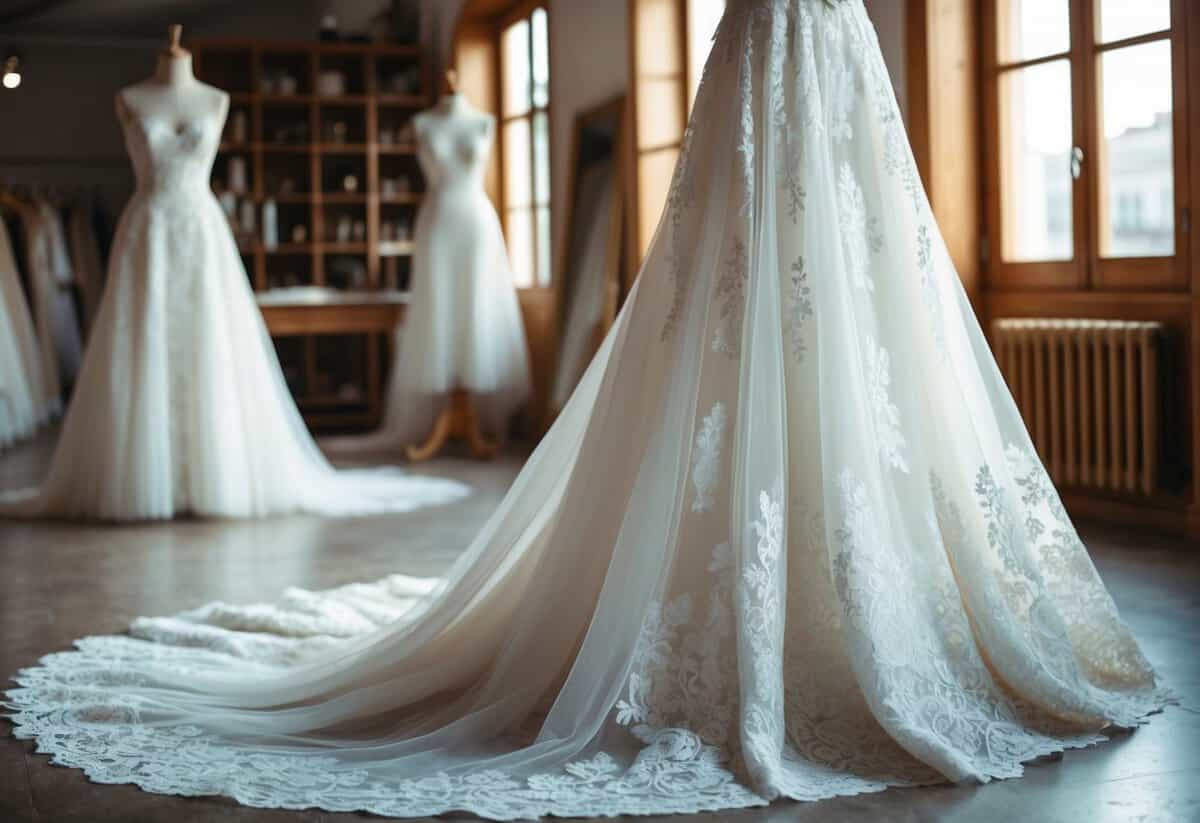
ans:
(787, 539)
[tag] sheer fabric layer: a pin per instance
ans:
(787, 539)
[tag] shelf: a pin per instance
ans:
(285, 148)
(408, 101)
(395, 248)
(285, 99)
(290, 248)
(343, 248)
(400, 148)
(343, 197)
(341, 148)
(343, 99)
(410, 199)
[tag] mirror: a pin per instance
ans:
(591, 270)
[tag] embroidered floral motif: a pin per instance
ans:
(852, 221)
(706, 458)
(731, 291)
(885, 413)
(800, 308)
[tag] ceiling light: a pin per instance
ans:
(11, 76)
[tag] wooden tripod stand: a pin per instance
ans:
(459, 421)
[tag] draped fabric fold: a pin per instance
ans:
(788, 538)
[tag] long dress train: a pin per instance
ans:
(180, 406)
(787, 539)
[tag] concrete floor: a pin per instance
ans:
(61, 581)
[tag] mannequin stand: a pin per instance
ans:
(456, 420)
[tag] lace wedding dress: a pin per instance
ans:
(788, 539)
(180, 405)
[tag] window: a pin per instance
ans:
(525, 145)
(671, 40)
(1083, 128)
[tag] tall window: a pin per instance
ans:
(671, 41)
(525, 145)
(1085, 165)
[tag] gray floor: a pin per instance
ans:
(62, 581)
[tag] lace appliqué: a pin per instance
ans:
(884, 412)
(800, 308)
(731, 291)
(706, 457)
(860, 235)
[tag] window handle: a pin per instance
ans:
(1076, 162)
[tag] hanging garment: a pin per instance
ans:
(788, 539)
(462, 328)
(181, 406)
(89, 266)
(26, 401)
(53, 280)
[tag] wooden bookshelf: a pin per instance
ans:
(325, 160)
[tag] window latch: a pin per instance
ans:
(1076, 162)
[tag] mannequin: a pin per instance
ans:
(462, 366)
(173, 93)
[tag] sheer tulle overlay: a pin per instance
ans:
(26, 398)
(787, 539)
(180, 405)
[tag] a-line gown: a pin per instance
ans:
(180, 406)
(788, 539)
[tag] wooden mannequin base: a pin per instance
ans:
(456, 420)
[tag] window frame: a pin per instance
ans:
(524, 12)
(1087, 268)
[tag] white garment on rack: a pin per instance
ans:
(53, 280)
(181, 406)
(462, 328)
(788, 539)
(89, 268)
(26, 401)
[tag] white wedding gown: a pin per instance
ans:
(787, 539)
(462, 327)
(180, 405)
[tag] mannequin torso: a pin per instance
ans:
(453, 140)
(173, 96)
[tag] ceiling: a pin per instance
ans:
(117, 18)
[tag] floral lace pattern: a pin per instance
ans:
(800, 308)
(706, 457)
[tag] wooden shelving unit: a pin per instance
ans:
(322, 160)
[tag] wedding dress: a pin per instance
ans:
(26, 401)
(52, 278)
(180, 406)
(462, 327)
(788, 539)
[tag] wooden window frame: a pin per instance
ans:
(519, 12)
(1087, 269)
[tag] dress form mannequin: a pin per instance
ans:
(455, 123)
(173, 94)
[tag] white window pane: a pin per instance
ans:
(520, 245)
(703, 16)
(1138, 167)
(1036, 186)
(515, 54)
(1033, 28)
(543, 245)
(541, 59)
(1119, 19)
(541, 156)
(518, 184)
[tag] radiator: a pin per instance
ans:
(1090, 394)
